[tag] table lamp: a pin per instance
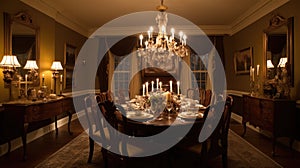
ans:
(56, 66)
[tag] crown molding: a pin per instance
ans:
(189, 29)
(57, 16)
(249, 17)
(255, 13)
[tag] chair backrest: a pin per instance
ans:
(101, 97)
(207, 97)
(201, 96)
(218, 140)
(192, 93)
(92, 114)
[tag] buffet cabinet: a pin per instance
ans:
(276, 116)
(18, 115)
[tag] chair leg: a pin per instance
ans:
(91, 141)
(224, 159)
(104, 155)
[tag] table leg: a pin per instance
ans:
(273, 146)
(245, 128)
(291, 144)
(9, 147)
(56, 129)
(24, 141)
(69, 123)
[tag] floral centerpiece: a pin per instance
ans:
(157, 102)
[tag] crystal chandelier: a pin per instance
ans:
(162, 45)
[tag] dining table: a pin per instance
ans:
(141, 121)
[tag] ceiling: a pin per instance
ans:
(212, 16)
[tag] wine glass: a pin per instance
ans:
(169, 107)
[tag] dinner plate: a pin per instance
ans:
(133, 115)
(190, 115)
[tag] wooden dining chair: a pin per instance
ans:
(207, 98)
(217, 143)
(201, 96)
(192, 93)
(98, 131)
(90, 114)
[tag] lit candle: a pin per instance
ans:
(184, 39)
(61, 87)
(160, 86)
(151, 30)
(19, 86)
(26, 84)
(257, 69)
(172, 33)
(141, 40)
(147, 88)
(157, 80)
(143, 89)
(52, 82)
(252, 74)
(152, 86)
(178, 83)
(171, 89)
(149, 34)
(180, 36)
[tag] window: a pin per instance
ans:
(198, 64)
(122, 69)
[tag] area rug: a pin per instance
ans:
(75, 155)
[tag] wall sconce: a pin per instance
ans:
(56, 66)
(9, 63)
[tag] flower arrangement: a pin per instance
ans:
(157, 101)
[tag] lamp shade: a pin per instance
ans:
(56, 65)
(269, 64)
(282, 62)
(31, 64)
(10, 61)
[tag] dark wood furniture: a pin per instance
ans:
(274, 115)
(19, 114)
(217, 143)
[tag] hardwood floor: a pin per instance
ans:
(43, 147)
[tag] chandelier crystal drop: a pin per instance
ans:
(162, 44)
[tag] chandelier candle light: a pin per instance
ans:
(162, 44)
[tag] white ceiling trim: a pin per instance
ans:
(250, 16)
(188, 29)
(57, 16)
(255, 13)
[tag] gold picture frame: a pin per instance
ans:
(70, 54)
(243, 60)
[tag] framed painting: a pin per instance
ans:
(70, 54)
(243, 61)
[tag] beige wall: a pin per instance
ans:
(52, 37)
(252, 36)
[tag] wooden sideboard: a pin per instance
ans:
(19, 114)
(274, 115)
